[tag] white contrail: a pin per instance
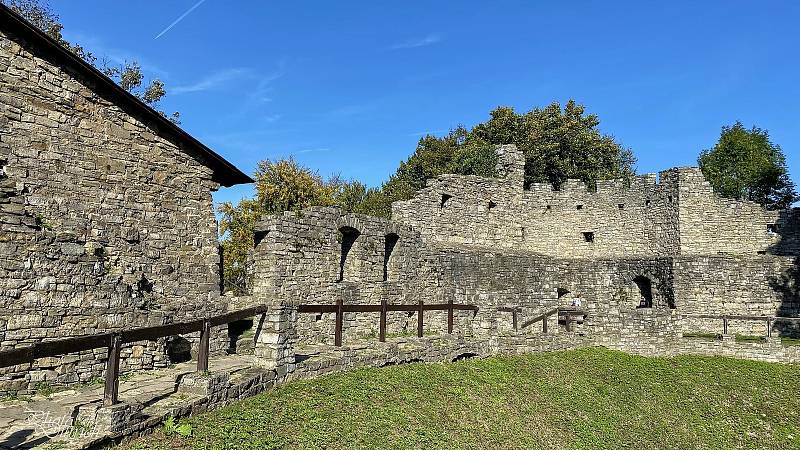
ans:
(180, 18)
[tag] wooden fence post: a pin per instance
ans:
(111, 392)
(382, 328)
(419, 320)
(337, 339)
(450, 316)
(202, 352)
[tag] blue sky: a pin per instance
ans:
(349, 87)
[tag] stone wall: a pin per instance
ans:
(488, 242)
(711, 225)
(615, 220)
(298, 259)
(105, 220)
(677, 215)
(746, 286)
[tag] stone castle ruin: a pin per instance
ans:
(107, 223)
(643, 258)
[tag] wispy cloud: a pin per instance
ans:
(183, 16)
(213, 81)
(114, 56)
(418, 42)
(272, 118)
(311, 150)
(260, 94)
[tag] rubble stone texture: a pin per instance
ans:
(642, 257)
(105, 220)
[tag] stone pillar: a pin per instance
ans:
(276, 339)
(552, 324)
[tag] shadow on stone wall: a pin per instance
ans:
(787, 286)
(787, 227)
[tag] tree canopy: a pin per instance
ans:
(558, 144)
(282, 185)
(128, 75)
(746, 164)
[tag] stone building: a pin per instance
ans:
(106, 215)
(106, 222)
(644, 256)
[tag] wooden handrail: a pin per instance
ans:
(515, 311)
(340, 308)
(736, 317)
(114, 340)
(544, 316)
(727, 317)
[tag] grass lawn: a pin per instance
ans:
(591, 398)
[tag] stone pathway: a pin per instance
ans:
(50, 420)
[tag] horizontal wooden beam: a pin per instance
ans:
(58, 347)
(318, 309)
(733, 317)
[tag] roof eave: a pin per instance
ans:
(225, 173)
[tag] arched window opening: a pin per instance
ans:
(645, 288)
(445, 198)
(391, 241)
(347, 236)
(259, 236)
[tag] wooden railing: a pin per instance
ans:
(113, 341)
(769, 320)
(340, 308)
(568, 313)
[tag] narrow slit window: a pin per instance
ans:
(492, 205)
(347, 236)
(772, 228)
(621, 206)
(647, 203)
(579, 207)
(445, 199)
(588, 236)
(390, 242)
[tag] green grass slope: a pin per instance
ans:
(591, 398)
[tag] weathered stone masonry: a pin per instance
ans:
(106, 215)
(106, 221)
(639, 255)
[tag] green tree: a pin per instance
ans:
(128, 75)
(558, 144)
(746, 164)
(282, 185)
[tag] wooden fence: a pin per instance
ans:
(768, 320)
(568, 313)
(113, 341)
(340, 308)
